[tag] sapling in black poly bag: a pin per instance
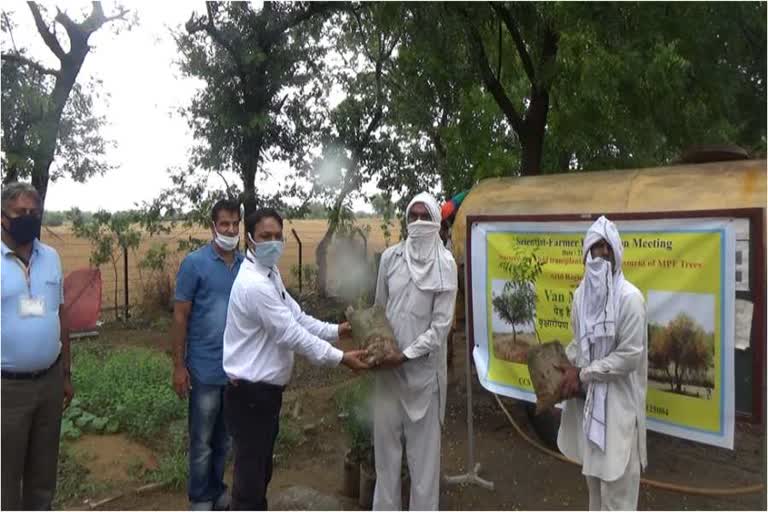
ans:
(372, 331)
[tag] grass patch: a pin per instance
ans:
(72, 483)
(124, 389)
(173, 463)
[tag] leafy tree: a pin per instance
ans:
(53, 218)
(45, 113)
(354, 144)
(681, 345)
(592, 86)
(517, 302)
(108, 233)
(258, 99)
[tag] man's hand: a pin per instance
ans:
(181, 382)
(69, 391)
(393, 359)
(345, 330)
(355, 360)
(570, 385)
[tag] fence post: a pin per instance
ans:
(125, 279)
(298, 241)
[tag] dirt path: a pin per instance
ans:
(524, 477)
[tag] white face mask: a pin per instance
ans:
(226, 243)
(267, 253)
(423, 229)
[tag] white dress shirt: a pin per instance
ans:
(265, 326)
(625, 370)
(421, 322)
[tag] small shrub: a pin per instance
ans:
(354, 404)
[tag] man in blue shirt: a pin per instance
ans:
(35, 354)
(200, 312)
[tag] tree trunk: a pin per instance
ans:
(70, 64)
(321, 252)
(321, 259)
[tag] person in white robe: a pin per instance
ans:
(603, 421)
(416, 285)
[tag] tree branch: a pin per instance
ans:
(298, 17)
(368, 54)
(206, 25)
(525, 57)
(24, 61)
(50, 40)
(226, 184)
(489, 79)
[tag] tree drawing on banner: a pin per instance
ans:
(683, 352)
(517, 303)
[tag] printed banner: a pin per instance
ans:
(524, 275)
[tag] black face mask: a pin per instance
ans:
(23, 229)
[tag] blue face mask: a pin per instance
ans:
(267, 253)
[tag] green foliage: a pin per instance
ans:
(108, 234)
(258, 98)
(77, 421)
(353, 402)
(517, 302)
(682, 350)
(53, 219)
(70, 478)
(308, 277)
(46, 115)
(128, 388)
(173, 463)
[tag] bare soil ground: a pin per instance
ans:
(524, 477)
(513, 348)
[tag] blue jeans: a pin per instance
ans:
(208, 442)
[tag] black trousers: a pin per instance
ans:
(252, 416)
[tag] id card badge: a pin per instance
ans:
(32, 306)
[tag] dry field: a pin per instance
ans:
(75, 253)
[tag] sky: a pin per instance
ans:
(146, 89)
(663, 307)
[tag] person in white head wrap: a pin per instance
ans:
(603, 421)
(417, 285)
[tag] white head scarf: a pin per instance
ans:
(597, 306)
(429, 262)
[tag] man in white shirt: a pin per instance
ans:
(416, 285)
(265, 326)
(605, 432)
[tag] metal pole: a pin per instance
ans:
(472, 475)
(298, 241)
(125, 278)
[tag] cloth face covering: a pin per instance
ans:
(267, 253)
(599, 294)
(227, 243)
(429, 262)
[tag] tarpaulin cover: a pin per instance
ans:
(82, 299)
